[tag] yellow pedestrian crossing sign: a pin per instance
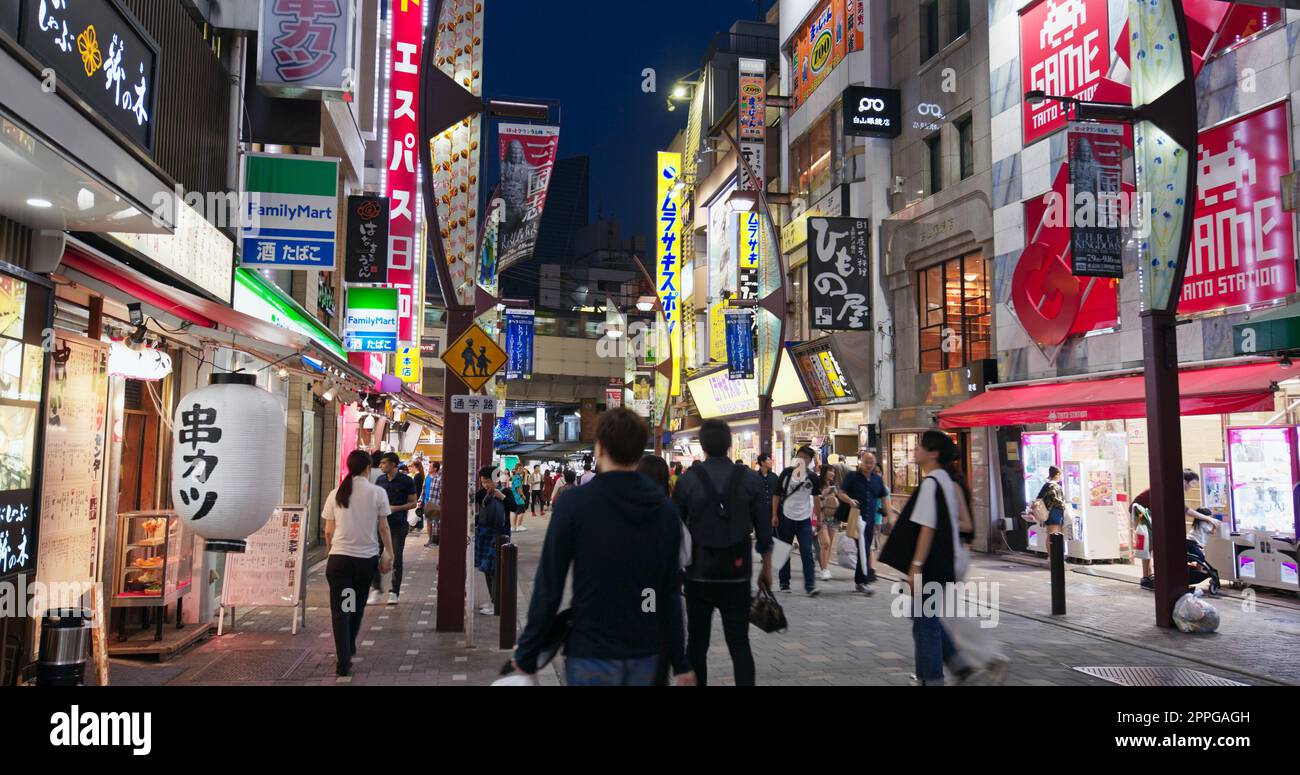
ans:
(474, 357)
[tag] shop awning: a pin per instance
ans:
(430, 409)
(1216, 390)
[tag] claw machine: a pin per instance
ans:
(1216, 495)
(1093, 510)
(1040, 452)
(1263, 471)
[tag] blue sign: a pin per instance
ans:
(740, 343)
(519, 343)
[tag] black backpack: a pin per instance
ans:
(728, 562)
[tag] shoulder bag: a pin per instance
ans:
(900, 547)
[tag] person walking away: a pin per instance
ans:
(721, 504)
(621, 537)
(431, 503)
(1053, 497)
(360, 546)
(401, 499)
(827, 505)
(1190, 481)
(940, 508)
(568, 483)
(587, 474)
(535, 481)
(655, 468)
(797, 488)
(548, 488)
(864, 489)
(490, 521)
(418, 478)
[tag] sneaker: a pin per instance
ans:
(826, 574)
(521, 529)
(1147, 582)
(486, 609)
(392, 598)
(375, 597)
(996, 671)
(864, 589)
(785, 590)
(814, 592)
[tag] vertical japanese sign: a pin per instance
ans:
(292, 216)
(527, 156)
(1064, 51)
(519, 343)
(839, 272)
(402, 186)
(1096, 154)
(750, 251)
(613, 398)
(830, 33)
(752, 120)
(668, 257)
(1243, 244)
(306, 46)
(366, 259)
(371, 322)
(409, 365)
(99, 51)
(740, 343)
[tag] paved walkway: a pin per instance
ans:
(837, 638)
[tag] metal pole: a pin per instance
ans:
(470, 597)
(1164, 455)
(1056, 549)
(508, 594)
(453, 564)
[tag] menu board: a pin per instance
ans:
(270, 570)
(197, 252)
(73, 473)
(820, 369)
(1101, 487)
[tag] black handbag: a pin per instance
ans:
(766, 613)
(900, 547)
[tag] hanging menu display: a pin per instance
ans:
(270, 570)
(72, 486)
(822, 376)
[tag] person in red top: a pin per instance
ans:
(1190, 480)
(548, 489)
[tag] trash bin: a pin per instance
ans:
(65, 636)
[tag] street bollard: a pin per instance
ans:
(508, 593)
(502, 543)
(1056, 550)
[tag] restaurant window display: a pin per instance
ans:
(954, 305)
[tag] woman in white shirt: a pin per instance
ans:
(356, 521)
(951, 636)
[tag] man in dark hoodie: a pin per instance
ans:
(721, 566)
(621, 535)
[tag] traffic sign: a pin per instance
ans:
(473, 405)
(474, 357)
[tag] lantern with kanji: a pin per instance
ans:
(227, 460)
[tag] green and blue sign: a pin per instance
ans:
(370, 323)
(290, 212)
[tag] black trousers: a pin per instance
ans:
(398, 529)
(732, 602)
(491, 580)
(349, 579)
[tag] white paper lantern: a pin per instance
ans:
(227, 460)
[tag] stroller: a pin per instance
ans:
(1199, 569)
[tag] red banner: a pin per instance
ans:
(1065, 52)
(527, 159)
(1243, 244)
(403, 156)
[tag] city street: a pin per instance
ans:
(839, 638)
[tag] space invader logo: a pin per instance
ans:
(1063, 19)
(1222, 174)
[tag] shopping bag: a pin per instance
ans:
(854, 527)
(1039, 509)
(386, 582)
(846, 552)
(780, 553)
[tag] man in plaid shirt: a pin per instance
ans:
(431, 503)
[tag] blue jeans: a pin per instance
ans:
(580, 671)
(933, 648)
(788, 529)
(1055, 517)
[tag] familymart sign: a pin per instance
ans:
(290, 212)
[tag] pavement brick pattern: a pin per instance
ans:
(839, 638)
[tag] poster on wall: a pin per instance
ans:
(1243, 244)
(839, 273)
(527, 155)
(75, 443)
(1096, 163)
(740, 343)
(830, 33)
(519, 343)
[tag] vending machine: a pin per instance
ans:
(1263, 473)
(1094, 513)
(1039, 451)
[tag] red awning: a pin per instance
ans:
(1217, 390)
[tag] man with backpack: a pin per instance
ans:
(721, 503)
(792, 510)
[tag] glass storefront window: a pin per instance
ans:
(954, 310)
(817, 158)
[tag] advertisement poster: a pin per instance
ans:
(740, 343)
(291, 62)
(668, 261)
(1243, 244)
(613, 398)
(292, 216)
(1064, 50)
(821, 373)
(527, 156)
(519, 343)
(830, 33)
(1096, 163)
(366, 256)
(402, 182)
(75, 444)
(839, 272)
(370, 324)
(1101, 488)
(642, 393)
(270, 570)
(750, 237)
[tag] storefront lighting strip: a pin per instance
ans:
(291, 310)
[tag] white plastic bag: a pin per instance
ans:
(846, 552)
(1194, 614)
(1142, 543)
(516, 679)
(412, 518)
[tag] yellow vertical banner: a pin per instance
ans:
(718, 331)
(409, 365)
(668, 266)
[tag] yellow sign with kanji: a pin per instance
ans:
(408, 364)
(474, 357)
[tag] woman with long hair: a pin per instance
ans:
(656, 468)
(356, 525)
(940, 509)
(828, 506)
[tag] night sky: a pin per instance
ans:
(587, 56)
